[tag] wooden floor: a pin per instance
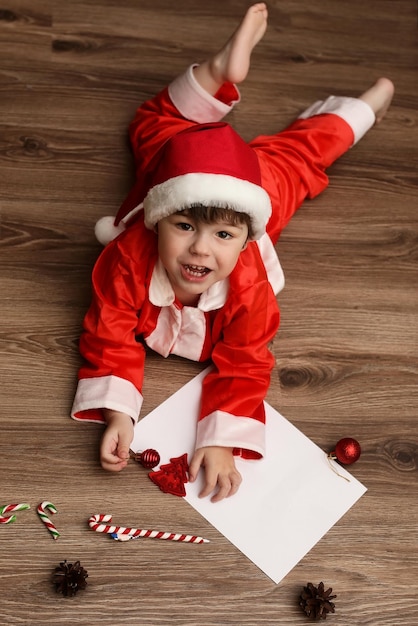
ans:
(71, 76)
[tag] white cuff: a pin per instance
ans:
(357, 113)
(106, 392)
(229, 431)
(194, 102)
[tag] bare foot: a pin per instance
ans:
(232, 62)
(379, 96)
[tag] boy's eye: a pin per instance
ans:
(223, 234)
(184, 226)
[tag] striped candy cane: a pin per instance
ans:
(9, 508)
(95, 523)
(48, 506)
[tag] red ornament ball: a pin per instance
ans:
(347, 451)
(148, 458)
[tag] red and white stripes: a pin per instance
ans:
(42, 508)
(98, 523)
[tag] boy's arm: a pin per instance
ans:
(112, 375)
(232, 409)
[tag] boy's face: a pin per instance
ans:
(197, 255)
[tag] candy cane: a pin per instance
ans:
(9, 508)
(95, 524)
(41, 512)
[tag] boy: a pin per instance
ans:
(193, 271)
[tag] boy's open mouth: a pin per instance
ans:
(197, 271)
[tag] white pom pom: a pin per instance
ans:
(105, 229)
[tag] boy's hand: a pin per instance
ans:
(114, 448)
(219, 470)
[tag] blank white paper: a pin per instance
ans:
(287, 501)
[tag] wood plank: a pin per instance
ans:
(71, 77)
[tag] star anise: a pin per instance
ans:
(68, 578)
(316, 602)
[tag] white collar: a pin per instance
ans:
(161, 292)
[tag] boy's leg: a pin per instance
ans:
(232, 62)
(379, 96)
(205, 93)
(294, 161)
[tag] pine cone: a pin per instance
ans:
(68, 578)
(316, 602)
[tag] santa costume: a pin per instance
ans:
(185, 155)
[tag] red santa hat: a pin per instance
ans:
(207, 164)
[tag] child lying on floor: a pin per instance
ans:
(193, 270)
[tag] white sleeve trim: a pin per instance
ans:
(107, 392)
(194, 102)
(271, 262)
(357, 113)
(229, 431)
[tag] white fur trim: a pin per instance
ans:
(357, 113)
(227, 430)
(194, 102)
(105, 229)
(216, 190)
(106, 392)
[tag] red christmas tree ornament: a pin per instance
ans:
(171, 477)
(148, 458)
(347, 451)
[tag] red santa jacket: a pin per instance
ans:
(232, 325)
(235, 320)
